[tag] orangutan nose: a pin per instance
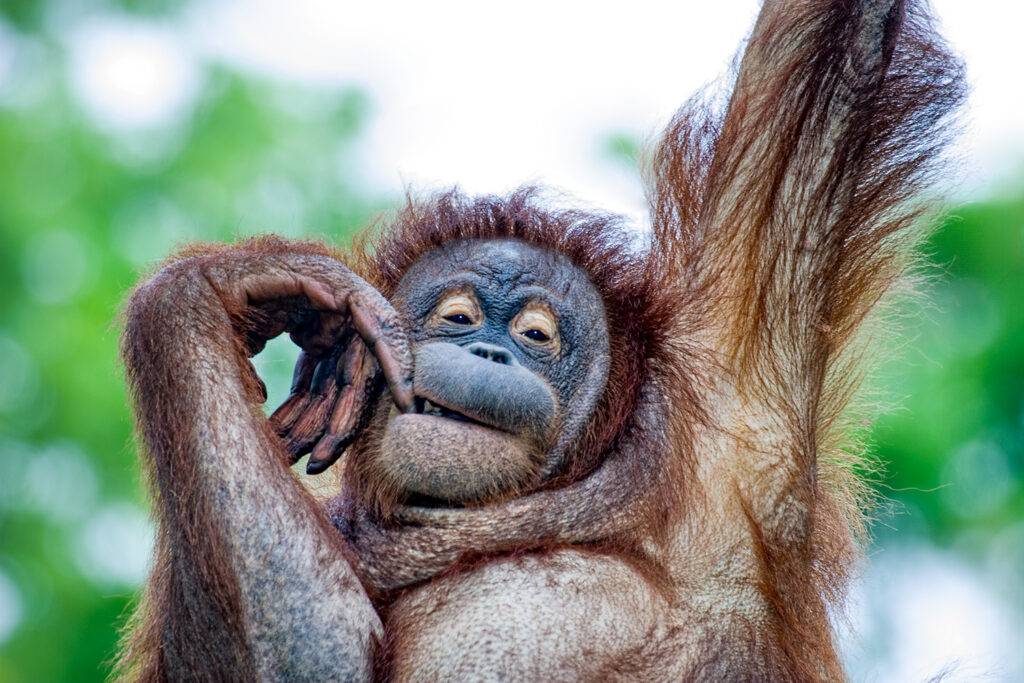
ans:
(493, 353)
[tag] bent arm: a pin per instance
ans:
(251, 581)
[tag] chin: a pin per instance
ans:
(443, 460)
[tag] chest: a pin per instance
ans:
(565, 615)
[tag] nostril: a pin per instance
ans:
(493, 353)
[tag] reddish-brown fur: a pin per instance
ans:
(178, 603)
(599, 244)
(722, 460)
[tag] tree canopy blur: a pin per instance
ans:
(85, 208)
(83, 211)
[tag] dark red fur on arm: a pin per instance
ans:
(190, 618)
(793, 214)
(187, 595)
(786, 221)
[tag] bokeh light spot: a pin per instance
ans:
(60, 482)
(970, 318)
(20, 377)
(147, 227)
(131, 74)
(979, 477)
(10, 607)
(55, 266)
(113, 546)
(920, 611)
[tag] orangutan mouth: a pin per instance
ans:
(424, 406)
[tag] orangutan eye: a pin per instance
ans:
(536, 323)
(536, 335)
(460, 309)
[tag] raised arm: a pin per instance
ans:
(250, 580)
(780, 226)
(789, 219)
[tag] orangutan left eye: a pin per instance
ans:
(536, 323)
(536, 335)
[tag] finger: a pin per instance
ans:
(256, 325)
(253, 342)
(302, 376)
(279, 302)
(313, 422)
(327, 451)
(295, 405)
(276, 283)
(326, 370)
(320, 297)
(357, 372)
(314, 386)
(271, 301)
(390, 348)
(287, 414)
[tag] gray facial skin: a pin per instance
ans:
(498, 410)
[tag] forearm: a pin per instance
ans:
(247, 546)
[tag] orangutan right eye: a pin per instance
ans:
(460, 309)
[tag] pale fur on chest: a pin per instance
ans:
(520, 618)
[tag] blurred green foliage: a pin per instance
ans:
(83, 212)
(955, 452)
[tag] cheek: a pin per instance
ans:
(565, 376)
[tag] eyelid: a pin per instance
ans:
(537, 316)
(459, 302)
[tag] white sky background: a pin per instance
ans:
(491, 95)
